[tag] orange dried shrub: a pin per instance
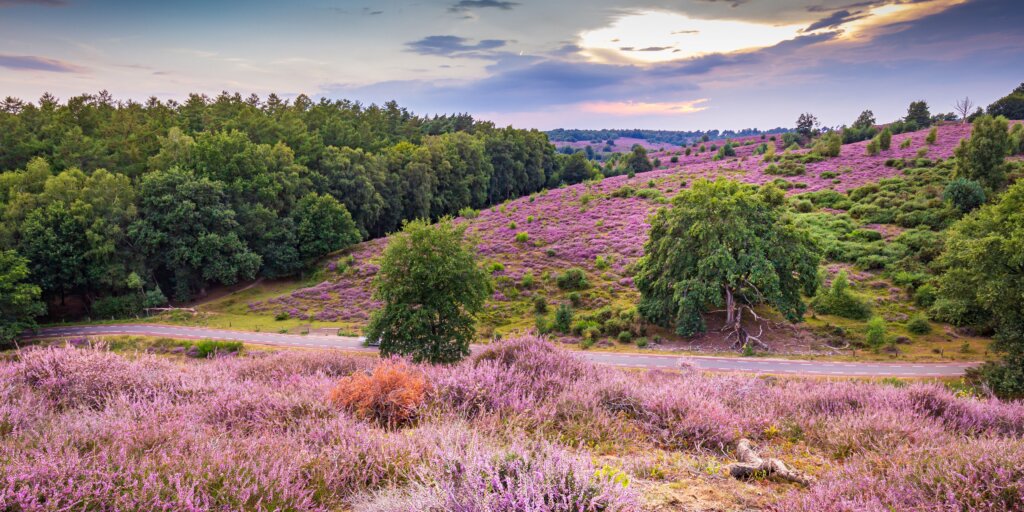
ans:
(390, 396)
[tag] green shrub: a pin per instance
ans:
(512, 225)
(283, 315)
(875, 333)
(675, 159)
(872, 148)
(925, 296)
(827, 175)
(624, 192)
(210, 348)
(563, 319)
(885, 139)
(838, 300)
(495, 267)
(469, 213)
(117, 307)
(932, 135)
(803, 206)
(540, 305)
(522, 237)
(906, 143)
(573, 279)
(575, 298)
(602, 262)
(786, 168)
(625, 337)
(919, 325)
(964, 194)
(527, 280)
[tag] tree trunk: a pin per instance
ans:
(752, 465)
(730, 309)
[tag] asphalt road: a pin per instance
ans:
(720, 364)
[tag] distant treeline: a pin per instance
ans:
(677, 138)
(120, 202)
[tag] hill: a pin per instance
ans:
(600, 227)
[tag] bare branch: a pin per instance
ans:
(963, 107)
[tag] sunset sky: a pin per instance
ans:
(684, 64)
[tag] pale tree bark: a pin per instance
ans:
(751, 465)
(963, 107)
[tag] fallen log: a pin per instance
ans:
(751, 465)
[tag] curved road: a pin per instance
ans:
(720, 364)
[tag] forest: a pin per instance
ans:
(124, 205)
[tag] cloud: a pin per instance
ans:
(635, 108)
(834, 20)
(454, 46)
(647, 49)
(467, 5)
(35, 63)
(47, 3)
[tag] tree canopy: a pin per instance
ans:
(982, 157)
(217, 189)
(983, 283)
(19, 299)
(724, 244)
(1010, 106)
(432, 290)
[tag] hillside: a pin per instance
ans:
(601, 227)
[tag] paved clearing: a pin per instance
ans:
(721, 364)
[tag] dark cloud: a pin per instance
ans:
(48, 3)
(467, 5)
(34, 63)
(834, 20)
(454, 46)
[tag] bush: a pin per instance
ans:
(885, 139)
(210, 348)
(925, 296)
(829, 145)
(625, 337)
(575, 298)
(786, 168)
(919, 325)
(872, 148)
(469, 213)
(803, 206)
(965, 194)
(573, 279)
(840, 301)
(563, 319)
(906, 143)
(522, 237)
(675, 159)
(117, 307)
(875, 333)
(390, 396)
(540, 305)
(932, 135)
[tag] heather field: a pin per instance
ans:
(600, 227)
(520, 426)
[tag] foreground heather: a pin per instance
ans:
(91, 430)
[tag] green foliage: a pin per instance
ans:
(983, 283)
(786, 168)
(933, 134)
(210, 348)
(540, 305)
(522, 237)
(875, 333)
(637, 161)
(906, 143)
(573, 279)
(469, 213)
(1010, 106)
(982, 157)
(918, 114)
(724, 244)
(187, 229)
(625, 337)
(563, 319)
(965, 194)
(575, 298)
(885, 139)
(925, 295)
(919, 325)
(872, 148)
(432, 289)
(323, 225)
(19, 299)
(828, 145)
(840, 301)
(576, 169)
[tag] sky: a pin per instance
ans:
(659, 64)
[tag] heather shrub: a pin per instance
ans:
(976, 475)
(390, 395)
(786, 168)
(210, 348)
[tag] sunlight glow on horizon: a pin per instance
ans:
(657, 36)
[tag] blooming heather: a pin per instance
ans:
(573, 226)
